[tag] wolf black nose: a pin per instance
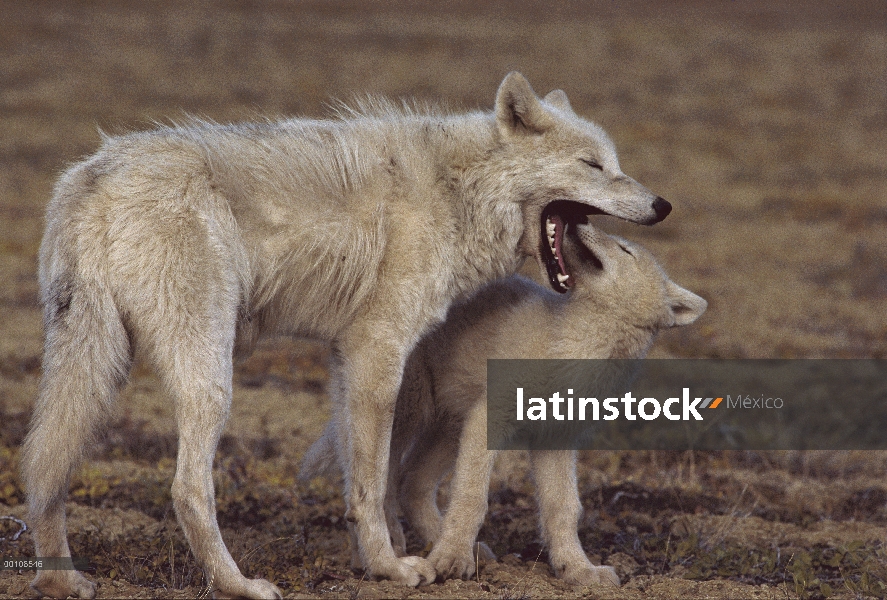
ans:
(662, 207)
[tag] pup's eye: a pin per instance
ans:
(592, 163)
(626, 250)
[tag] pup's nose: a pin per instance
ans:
(662, 208)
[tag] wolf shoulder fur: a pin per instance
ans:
(191, 241)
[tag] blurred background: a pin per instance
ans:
(763, 123)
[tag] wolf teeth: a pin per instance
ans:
(562, 278)
(550, 228)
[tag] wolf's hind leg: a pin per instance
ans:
(194, 359)
(559, 508)
(183, 314)
(86, 360)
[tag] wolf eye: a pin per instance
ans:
(592, 163)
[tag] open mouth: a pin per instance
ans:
(555, 219)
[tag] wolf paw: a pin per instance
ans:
(452, 563)
(409, 570)
(62, 584)
(590, 575)
(250, 588)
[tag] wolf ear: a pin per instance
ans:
(518, 109)
(684, 305)
(558, 99)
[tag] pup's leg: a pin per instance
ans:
(369, 370)
(454, 554)
(86, 360)
(409, 432)
(392, 500)
(430, 460)
(559, 510)
(426, 464)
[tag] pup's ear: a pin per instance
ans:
(684, 305)
(518, 109)
(558, 99)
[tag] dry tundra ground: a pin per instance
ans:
(764, 123)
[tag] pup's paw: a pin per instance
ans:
(590, 575)
(62, 584)
(249, 588)
(409, 570)
(452, 563)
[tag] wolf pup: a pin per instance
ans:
(190, 241)
(619, 299)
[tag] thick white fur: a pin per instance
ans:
(190, 241)
(614, 310)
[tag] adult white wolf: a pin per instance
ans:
(191, 241)
(619, 300)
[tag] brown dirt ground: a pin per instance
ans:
(764, 123)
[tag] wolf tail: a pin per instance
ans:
(320, 460)
(87, 357)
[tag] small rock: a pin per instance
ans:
(624, 564)
(512, 560)
(18, 587)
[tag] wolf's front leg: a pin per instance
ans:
(369, 374)
(559, 508)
